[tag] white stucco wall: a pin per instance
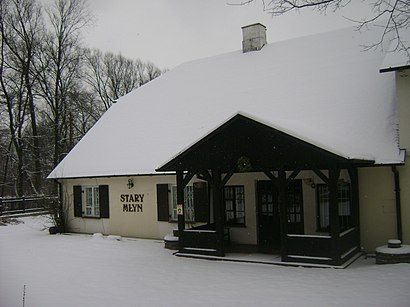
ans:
(131, 224)
(377, 207)
(145, 224)
(376, 195)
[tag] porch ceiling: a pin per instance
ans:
(243, 144)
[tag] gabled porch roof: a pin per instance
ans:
(244, 144)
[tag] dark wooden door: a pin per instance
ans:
(295, 207)
(268, 215)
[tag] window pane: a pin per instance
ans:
(189, 203)
(239, 192)
(323, 206)
(229, 216)
(240, 205)
(228, 193)
(235, 204)
(173, 204)
(229, 205)
(91, 199)
(343, 195)
(298, 218)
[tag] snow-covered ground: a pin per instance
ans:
(82, 270)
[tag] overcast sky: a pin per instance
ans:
(170, 32)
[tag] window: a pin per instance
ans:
(344, 200)
(234, 198)
(188, 204)
(91, 201)
(196, 203)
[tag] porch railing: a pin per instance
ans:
(202, 240)
(322, 249)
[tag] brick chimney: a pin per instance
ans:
(254, 37)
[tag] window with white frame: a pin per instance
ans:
(92, 201)
(188, 204)
(234, 198)
(344, 201)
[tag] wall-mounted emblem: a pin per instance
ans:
(130, 183)
(243, 164)
(180, 209)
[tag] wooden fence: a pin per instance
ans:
(29, 205)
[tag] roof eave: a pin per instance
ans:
(394, 68)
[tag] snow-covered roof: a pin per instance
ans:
(397, 59)
(322, 89)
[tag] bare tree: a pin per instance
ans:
(59, 66)
(111, 76)
(51, 88)
(21, 28)
(151, 72)
(392, 15)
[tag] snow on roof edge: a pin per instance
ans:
(277, 127)
(110, 175)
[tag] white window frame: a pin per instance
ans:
(91, 201)
(235, 213)
(188, 204)
(344, 204)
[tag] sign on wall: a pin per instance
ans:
(132, 202)
(180, 209)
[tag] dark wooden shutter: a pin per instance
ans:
(78, 201)
(201, 202)
(162, 202)
(104, 201)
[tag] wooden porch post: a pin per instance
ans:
(334, 213)
(219, 212)
(180, 208)
(355, 209)
(283, 213)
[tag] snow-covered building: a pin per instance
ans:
(294, 147)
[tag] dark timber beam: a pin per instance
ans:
(227, 177)
(398, 203)
(271, 176)
(187, 178)
(354, 183)
(320, 174)
(334, 213)
(282, 189)
(182, 181)
(180, 203)
(219, 211)
(294, 174)
(205, 175)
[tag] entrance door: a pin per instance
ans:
(268, 215)
(295, 207)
